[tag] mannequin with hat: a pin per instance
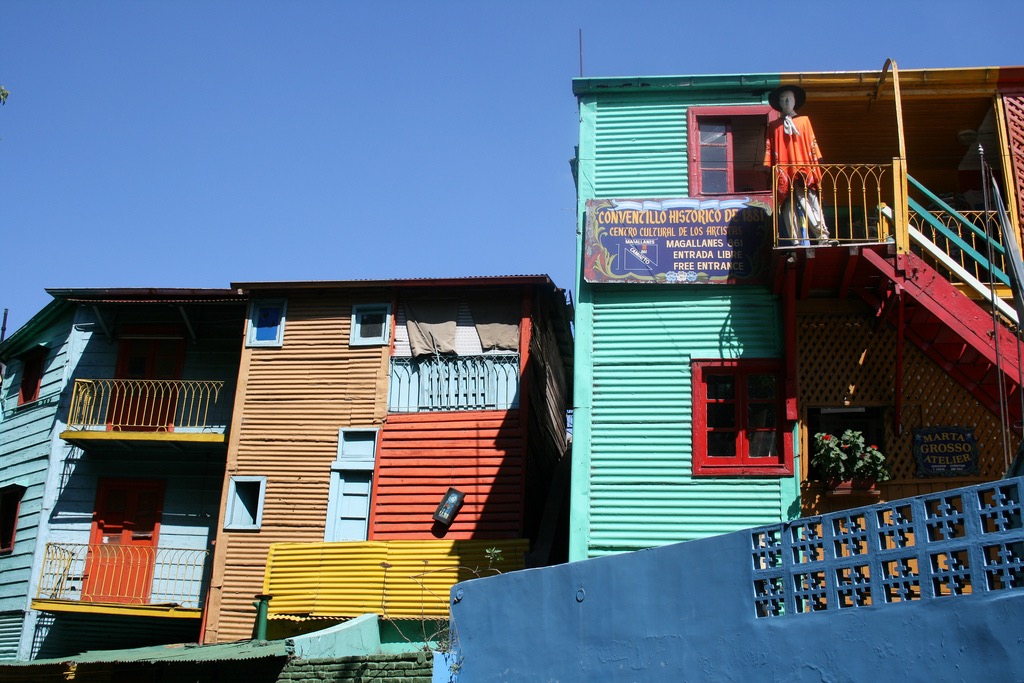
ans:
(792, 148)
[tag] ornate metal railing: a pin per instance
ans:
(119, 574)
(850, 197)
(489, 382)
(149, 405)
(972, 239)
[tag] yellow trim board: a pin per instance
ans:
(170, 611)
(199, 437)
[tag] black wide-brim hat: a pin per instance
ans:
(798, 92)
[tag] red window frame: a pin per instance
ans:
(719, 114)
(10, 508)
(742, 463)
(31, 376)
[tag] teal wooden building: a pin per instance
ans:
(710, 350)
(34, 358)
(116, 405)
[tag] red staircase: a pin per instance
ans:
(951, 329)
(947, 325)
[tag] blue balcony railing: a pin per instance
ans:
(446, 383)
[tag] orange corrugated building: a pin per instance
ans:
(360, 406)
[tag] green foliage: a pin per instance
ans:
(494, 556)
(848, 457)
(4, 92)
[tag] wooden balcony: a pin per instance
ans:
(147, 410)
(117, 579)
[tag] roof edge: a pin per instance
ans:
(149, 293)
(987, 76)
(22, 338)
(481, 281)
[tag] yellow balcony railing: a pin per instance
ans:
(148, 405)
(402, 579)
(852, 198)
(123, 575)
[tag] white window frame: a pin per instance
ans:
(359, 310)
(254, 307)
(345, 462)
(234, 500)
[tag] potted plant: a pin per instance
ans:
(848, 461)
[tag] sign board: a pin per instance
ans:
(945, 451)
(677, 241)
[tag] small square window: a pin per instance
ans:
(266, 322)
(10, 503)
(245, 503)
(371, 325)
(357, 448)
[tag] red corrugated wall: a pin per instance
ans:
(422, 454)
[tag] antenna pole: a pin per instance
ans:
(581, 52)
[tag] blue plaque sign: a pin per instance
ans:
(677, 241)
(945, 451)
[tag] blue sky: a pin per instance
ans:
(192, 144)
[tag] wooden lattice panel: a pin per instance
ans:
(1013, 105)
(845, 360)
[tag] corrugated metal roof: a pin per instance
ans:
(140, 295)
(181, 652)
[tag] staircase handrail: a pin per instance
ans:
(954, 237)
(949, 263)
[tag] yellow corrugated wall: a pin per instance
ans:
(395, 579)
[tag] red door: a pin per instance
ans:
(122, 545)
(146, 404)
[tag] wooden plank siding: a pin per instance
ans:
(26, 432)
(422, 454)
(192, 477)
(290, 403)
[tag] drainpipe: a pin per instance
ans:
(262, 608)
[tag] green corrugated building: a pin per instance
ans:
(710, 350)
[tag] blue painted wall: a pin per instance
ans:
(61, 479)
(26, 434)
(193, 476)
(687, 612)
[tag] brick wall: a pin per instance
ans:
(415, 667)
